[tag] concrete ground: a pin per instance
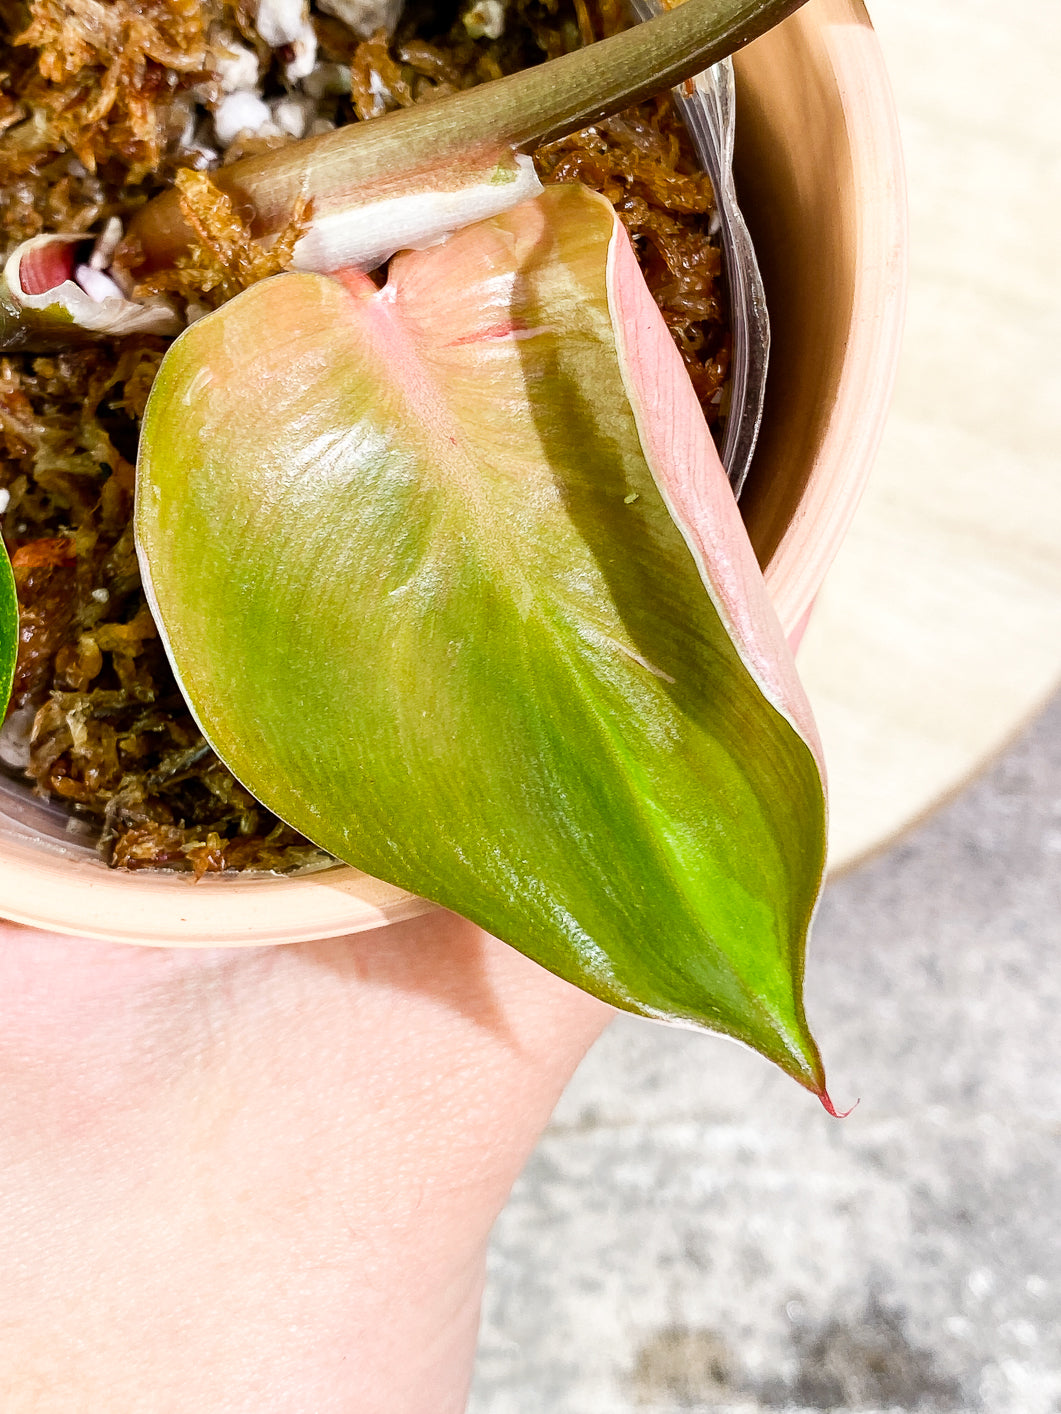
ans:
(694, 1233)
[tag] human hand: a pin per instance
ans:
(263, 1179)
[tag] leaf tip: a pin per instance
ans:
(830, 1108)
(813, 1078)
(802, 1060)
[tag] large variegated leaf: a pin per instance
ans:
(413, 554)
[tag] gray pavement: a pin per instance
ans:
(694, 1233)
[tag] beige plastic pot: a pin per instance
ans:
(820, 174)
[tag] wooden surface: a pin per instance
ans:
(938, 632)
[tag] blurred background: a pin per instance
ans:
(693, 1233)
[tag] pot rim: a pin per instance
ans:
(797, 555)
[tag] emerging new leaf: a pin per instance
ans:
(454, 582)
(42, 306)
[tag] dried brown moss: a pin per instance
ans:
(93, 100)
(225, 259)
(111, 734)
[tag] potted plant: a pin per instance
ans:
(824, 196)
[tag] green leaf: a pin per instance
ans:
(413, 555)
(8, 631)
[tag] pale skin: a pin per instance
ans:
(263, 1179)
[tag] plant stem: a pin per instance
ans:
(441, 142)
